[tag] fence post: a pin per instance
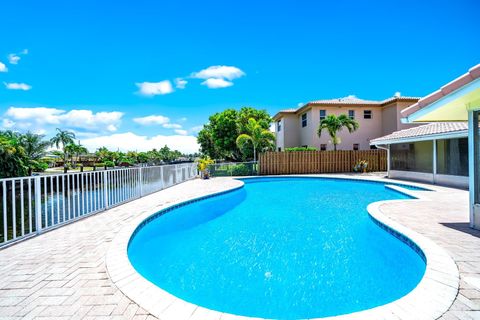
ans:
(176, 173)
(162, 183)
(105, 189)
(38, 205)
(140, 179)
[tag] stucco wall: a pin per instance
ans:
(368, 128)
(289, 135)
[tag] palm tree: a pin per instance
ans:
(35, 149)
(334, 124)
(260, 138)
(77, 150)
(63, 138)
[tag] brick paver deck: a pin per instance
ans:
(61, 274)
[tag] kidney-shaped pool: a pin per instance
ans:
(279, 248)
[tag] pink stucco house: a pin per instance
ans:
(298, 127)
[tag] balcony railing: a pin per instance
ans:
(32, 205)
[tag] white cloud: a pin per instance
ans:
(214, 83)
(17, 86)
(181, 132)
(3, 67)
(180, 83)
(155, 88)
(172, 126)
(13, 58)
(80, 119)
(219, 72)
(196, 129)
(152, 120)
(131, 141)
(7, 124)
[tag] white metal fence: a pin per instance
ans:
(31, 205)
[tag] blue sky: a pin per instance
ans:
(113, 71)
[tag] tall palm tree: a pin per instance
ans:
(334, 124)
(35, 149)
(75, 149)
(63, 138)
(257, 136)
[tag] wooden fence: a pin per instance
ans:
(298, 162)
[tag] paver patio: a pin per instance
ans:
(62, 275)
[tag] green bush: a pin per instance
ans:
(301, 149)
(241, 170)
(109, 164)
(40, 166)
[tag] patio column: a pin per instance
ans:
(434, 165)
(474, 168)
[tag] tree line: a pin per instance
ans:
(21, 154)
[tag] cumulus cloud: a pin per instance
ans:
(214, 83)
(196, 129)
(17, 86)
(77, 119)
(7, 124)
(181, 132)
(131, 141)
(159, 120)
(219, 72)
(152, 120)
(3, 67)
(172, 126)
(180, 83)
(13, 58)
(154, 88)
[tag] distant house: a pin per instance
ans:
(298, 127)
(433, 153)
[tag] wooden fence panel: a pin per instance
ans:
(300, 162)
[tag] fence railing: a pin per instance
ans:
(229, 169)
(298, 162)
(31, 205)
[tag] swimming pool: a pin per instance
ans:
(279, 248)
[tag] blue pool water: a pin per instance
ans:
(282, 248)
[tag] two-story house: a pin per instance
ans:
(298, 127)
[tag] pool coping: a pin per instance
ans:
(432, 297)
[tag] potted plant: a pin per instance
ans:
(203, 164)
(361, 166)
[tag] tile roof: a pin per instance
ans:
(349, 100)
(423, 131)
(472, 74)
(346, 100)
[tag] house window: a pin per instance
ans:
(367, 114)
(355, 146)
(323, 114)
(304, 120)
(351, 114)
(279, 125)
(279, 149)
(323, 147)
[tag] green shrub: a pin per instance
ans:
(301, 149)
(241, 170)
(109, 164)
(40, 166)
